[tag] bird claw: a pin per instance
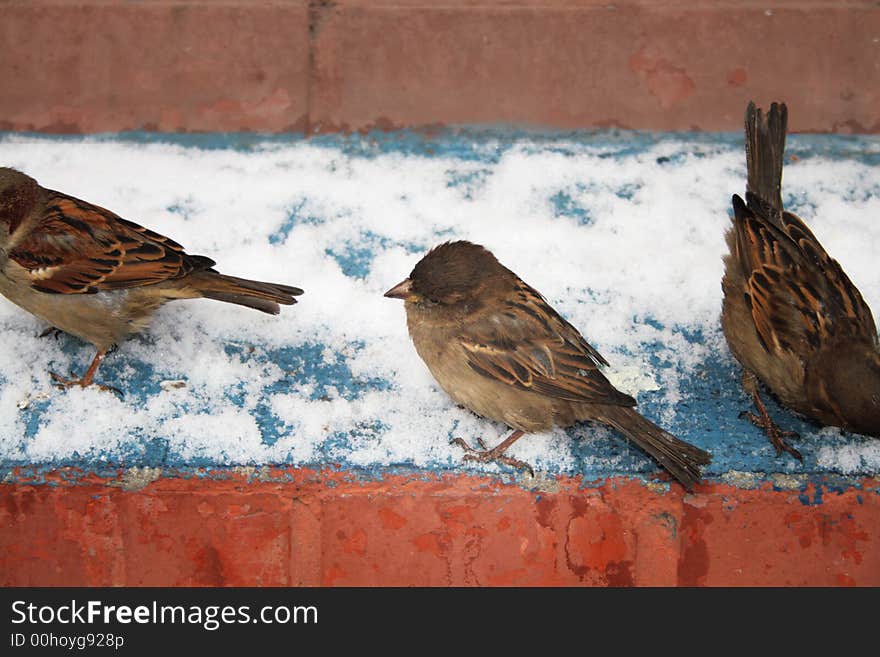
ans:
(461, 443)
(488, 456)
(485, 455)
(776, 435)
(776, 438)
(63, 384)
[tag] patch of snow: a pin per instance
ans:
(626, 246)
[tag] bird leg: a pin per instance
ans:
(88, 379)
(762, 420)
(54, 332)
(485, 455)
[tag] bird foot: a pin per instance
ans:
(485, 455)
(64, 384)
(776, 435)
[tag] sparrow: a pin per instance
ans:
(791, 316)
(495, 345)
(93, 274)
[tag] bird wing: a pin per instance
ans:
(526, 344)
(799, 296)
(79, 248)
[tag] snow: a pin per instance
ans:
(623, 233)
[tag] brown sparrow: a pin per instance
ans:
(791, 315)
(497, 347)
(97, 276)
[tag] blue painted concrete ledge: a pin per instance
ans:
(335, 242)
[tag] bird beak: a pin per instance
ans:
(400, 291)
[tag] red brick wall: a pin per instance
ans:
(321, 528)
(282, 65)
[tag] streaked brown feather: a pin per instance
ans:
(791, 315)
(80, 248)
(535, 349)
(799, 296)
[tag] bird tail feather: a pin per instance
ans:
(765, 146)
(681, 459)
(243, 292)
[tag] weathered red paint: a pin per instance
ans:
(272, 65)
(304, 527)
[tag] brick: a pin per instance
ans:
(456, 539)
(669, 65)
(93, 66)
(50, 537)
(209, 538)
(740, 541)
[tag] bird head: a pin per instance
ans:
(451, 274)
(18, 193)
